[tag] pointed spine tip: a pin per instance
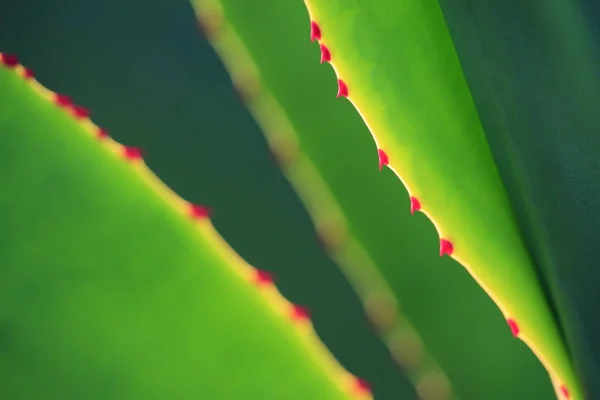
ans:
(132, 153)
(263, 278)
(62, 100)
(315, 31)
(514, 327)
(342, 89)
(362, 386)
(383, 158)
(79, 112)
(325, 54)
(10, 60)
(102, 133)
(565, 392)
(415, 205)
(300, 313)
(28, 74)
(199, 212)
(446, 247)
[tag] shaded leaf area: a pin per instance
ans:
(147, 75)
(533, 69)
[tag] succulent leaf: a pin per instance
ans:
(403, 76)
(114, 287)
(323, 142)
(536, 87)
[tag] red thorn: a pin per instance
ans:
(315, 31)
(325, 54)
(342, 89)
(263, 277)
(514, 327)
(132, 153)
(446, 247)
(383, 159)
(28, 74)
(300, 313)
(415, 205)
(565, 392)
(62, 101)
(362, 386)
(102, 133)
(79, 111)
(10, 60)
(199, 212)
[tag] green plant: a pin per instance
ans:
(131, 276)
(452, 144)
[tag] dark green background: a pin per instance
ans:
(147, 75)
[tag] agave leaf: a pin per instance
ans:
(535, 83)
(114, 287)
(412, 94)
(293, 98)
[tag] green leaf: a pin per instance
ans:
(363, 214)
(532, 67)
(400, 70)
(114, 287)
